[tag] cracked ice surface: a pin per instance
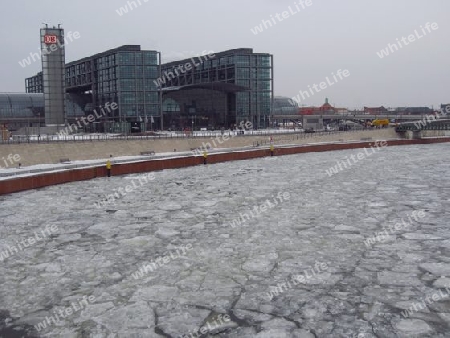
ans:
(231, 270)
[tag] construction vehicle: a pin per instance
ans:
(384, 123)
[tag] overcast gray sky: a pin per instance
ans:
(308, 45)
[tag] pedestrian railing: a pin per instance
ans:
(77, 138)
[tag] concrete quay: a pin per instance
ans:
(17, 184)
(51, 153)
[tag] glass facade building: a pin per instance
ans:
(284, 106)
(21, 110)
(249, 77)
(20, 105)
(125, 75)
(18, 109)
(220, 91)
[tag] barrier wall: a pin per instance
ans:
(47, 179)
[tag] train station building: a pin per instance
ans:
(214, 91)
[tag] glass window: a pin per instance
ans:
(151, 72)
(140, 97)
(127, 72)
(264, 85)
(129, 110)
(150, 58)
(128, 97)
(5, 107)
(150, 84)
(139, 72)
(126, 58)
(245, 83)
(138, 58)
(243, 73)
(151, 97)
(243, 60)
(243, 97)
(264, 73)
(230, 73)
(139, 84)
(127, 85)
(264, 60)
(152, 109)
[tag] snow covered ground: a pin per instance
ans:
(227, 253)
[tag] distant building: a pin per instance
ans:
(375, 110)
(414, 110)
(284, 106)
(25, 108)
(28, 109)
(326, 108)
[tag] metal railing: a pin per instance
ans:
(77, 138)
(419, 127)
(302, 135)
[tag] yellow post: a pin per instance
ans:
(271, 149)
(108, 168)
(205, 157)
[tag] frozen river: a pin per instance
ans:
(273, 247)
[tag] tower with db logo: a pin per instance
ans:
(53, 74)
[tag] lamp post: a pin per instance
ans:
(161, 112)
